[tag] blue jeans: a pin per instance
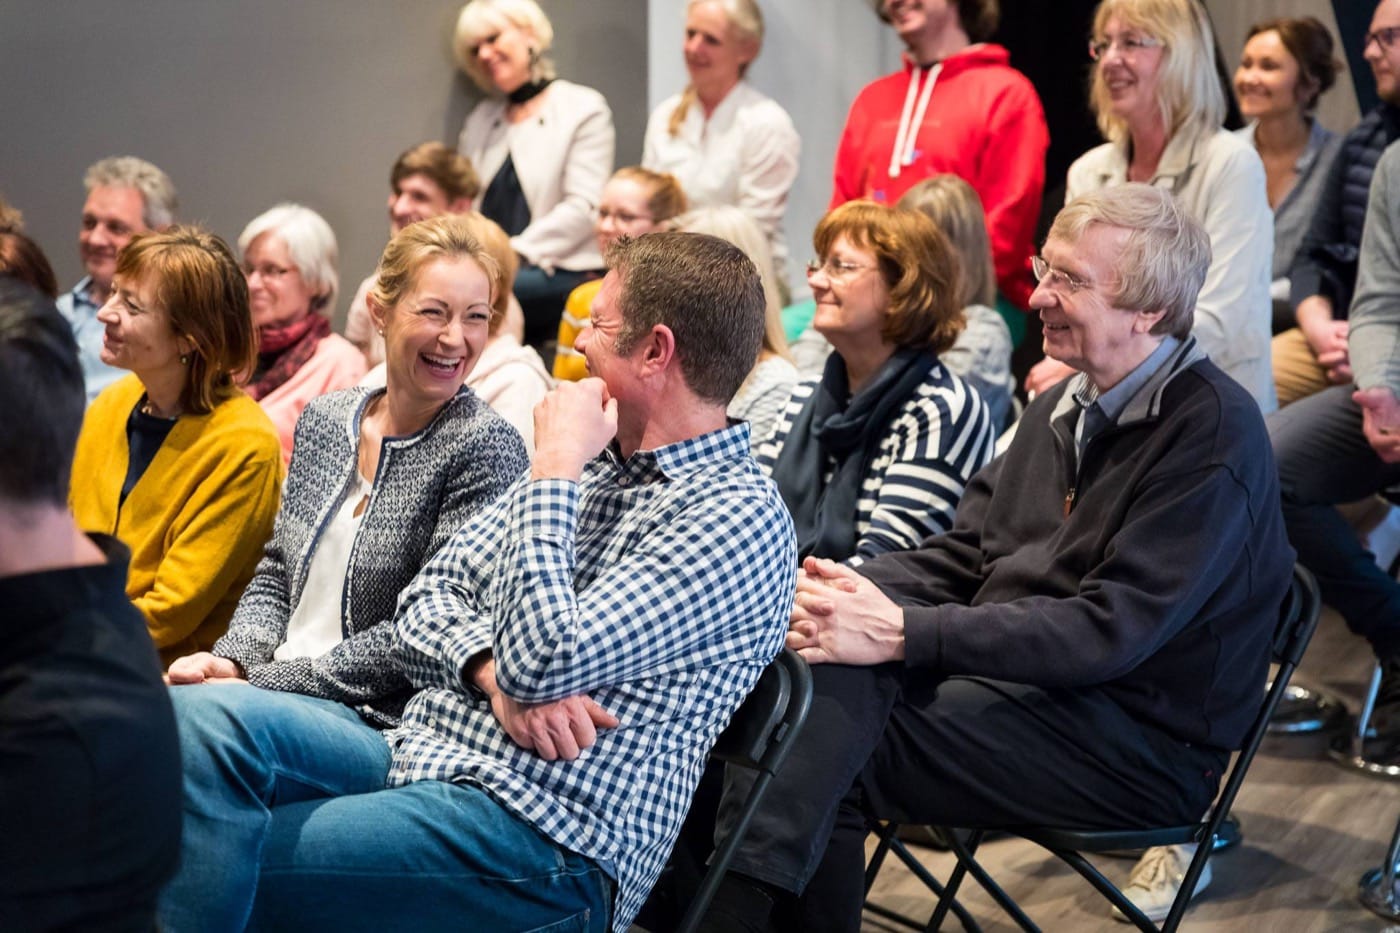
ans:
(429, 856)
(245, 751)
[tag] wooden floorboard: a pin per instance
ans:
(1311, 828)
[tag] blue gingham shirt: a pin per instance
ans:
(660, 586)
(78, 308)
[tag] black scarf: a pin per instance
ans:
(830, 428)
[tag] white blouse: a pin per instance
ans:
(315, 626)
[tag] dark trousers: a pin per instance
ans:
(886, 743)
(1323, 459)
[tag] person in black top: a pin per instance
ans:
(89, 768)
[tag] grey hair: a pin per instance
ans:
(310, 244)
(1165, 257)
(158, 200)
(480, 18)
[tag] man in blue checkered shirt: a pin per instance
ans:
(577, 648)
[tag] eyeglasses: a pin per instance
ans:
(1128, 45)
(834, 268)
(267, 270)
(621, 218)
(1384, 37)
(1057, 280)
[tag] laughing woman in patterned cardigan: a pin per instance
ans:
(379, 479)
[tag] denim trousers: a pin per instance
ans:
(289, 827)
(1324, 459)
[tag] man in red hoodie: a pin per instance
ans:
(956, 106)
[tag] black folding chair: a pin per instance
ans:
(759, 737)
(1297, 620)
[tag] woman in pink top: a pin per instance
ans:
(289, 258)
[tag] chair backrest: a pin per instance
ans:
(757, 735)
(1298, 615)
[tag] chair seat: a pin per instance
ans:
(1091, 840)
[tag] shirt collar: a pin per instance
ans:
(1112, 402)
(682, 458)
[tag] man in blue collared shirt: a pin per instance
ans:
(577, 648)
(125, 196)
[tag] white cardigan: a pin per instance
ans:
(563, 155)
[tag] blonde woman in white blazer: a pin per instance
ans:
(544, 148)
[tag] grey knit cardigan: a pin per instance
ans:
(427, 486)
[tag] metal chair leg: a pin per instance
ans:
(1362, 750)
(1377, 889)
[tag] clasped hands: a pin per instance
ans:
(840, 617)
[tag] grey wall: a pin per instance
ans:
(250, 103)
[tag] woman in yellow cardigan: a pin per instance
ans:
(175, 460)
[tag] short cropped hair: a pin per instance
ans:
(21, 258)
(1310, 43)
(158, 200)
(41, 382)
(444, 166)
(979, 18)
(954, 207)
(1189, 95)
(706, 291)
(918, 264)
(481, 18)
(1165, 257)
(736, 225)
(198, 284)
(449, 236)
(310, 244)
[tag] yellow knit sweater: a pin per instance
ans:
(197, 519)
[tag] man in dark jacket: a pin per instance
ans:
(1090, 641)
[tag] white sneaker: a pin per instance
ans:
(1157, 877)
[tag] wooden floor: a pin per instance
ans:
(1311, 829)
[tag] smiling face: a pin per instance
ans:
(504, 56)
(715, 53)
(1130, 74)
(622, 211)
(1084, 329)
(851, 294)
(111, 217)
(598, 339)
(138, 334)
(435, 333)
(1267, 80)
(277, 292)
(1385, 63)
(417, 197)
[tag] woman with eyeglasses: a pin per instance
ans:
(635, 201)
(545, 147)
(726, 142)
(1160, 104)
(873, 456)
(289, 259)
(174, 460)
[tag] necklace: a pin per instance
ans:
(148, 409)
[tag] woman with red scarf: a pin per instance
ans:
(289, 258)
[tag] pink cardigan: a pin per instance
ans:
(336, 364)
